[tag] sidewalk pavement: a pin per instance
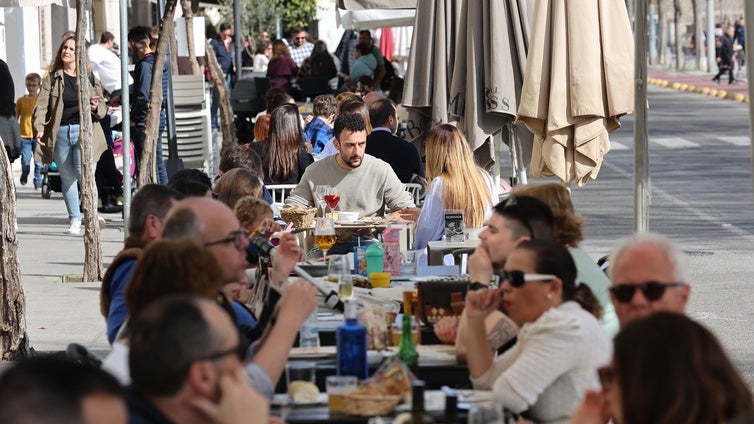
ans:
(59, 313)
(699, 82)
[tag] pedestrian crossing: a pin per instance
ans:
(676, 143)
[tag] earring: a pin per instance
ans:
(549, 296)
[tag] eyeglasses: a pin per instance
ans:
(237, 350)
(606, 376)
(236, 238)
(651, 290)
(519, 278)
(510, 205)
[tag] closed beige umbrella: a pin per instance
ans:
(466, 68)
(578, 83)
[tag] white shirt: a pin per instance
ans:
(106, 67)
(260, 63)
(554, 360)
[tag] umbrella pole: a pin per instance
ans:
(125, 101)
(518, 172)
(641, 136)
(749, 13)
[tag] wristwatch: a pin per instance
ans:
(476, 285)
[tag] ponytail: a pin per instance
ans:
(583, 295)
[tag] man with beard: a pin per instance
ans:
(365, 184)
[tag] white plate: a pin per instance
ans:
(474, 396)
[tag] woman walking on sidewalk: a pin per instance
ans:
(57, 125)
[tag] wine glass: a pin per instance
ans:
(332, 198)
(324, 234)
(319, 196)
(340, 270)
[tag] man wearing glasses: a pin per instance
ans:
(513, 220)
(646, 273)
(215, 225)
(187, 367)
(300, 47)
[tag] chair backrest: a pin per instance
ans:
(188, 91)
(279, 192)
(262, 85)
(414, 190)
(314, 86)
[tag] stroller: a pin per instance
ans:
(50, 180)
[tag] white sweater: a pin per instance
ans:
(554, 360)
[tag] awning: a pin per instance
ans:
(369, 14)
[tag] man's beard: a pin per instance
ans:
(349, 164)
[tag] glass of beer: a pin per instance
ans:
(340, 271)
(337, 386)
(324, 234)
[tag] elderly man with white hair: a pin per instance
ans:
(647, 277)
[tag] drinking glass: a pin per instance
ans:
(332, 198)
(319, 196)
(339, 269)
(324, 234)
(489, 412)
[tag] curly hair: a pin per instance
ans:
(568, 226)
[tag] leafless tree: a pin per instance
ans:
(93, 269)
(14, 342)
(226, 109)
(678, 46)
(147, 172)
(188, 13)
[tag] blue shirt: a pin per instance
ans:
(118, 310)
(319, 133)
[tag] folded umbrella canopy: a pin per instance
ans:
(466, 67)
(578, 83)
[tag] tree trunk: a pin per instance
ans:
(662, 29)
(147, 172)
(189, 15)
(699, 43)
(173, 54)
(226, 110)
(14, 342)
(93, 269)
(678, 46)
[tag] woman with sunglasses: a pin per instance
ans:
(667, 368)
(560, 341)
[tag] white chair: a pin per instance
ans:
(279, 192)
(415, 191)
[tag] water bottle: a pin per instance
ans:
(375, 258)
(351, 338)
(309, 332)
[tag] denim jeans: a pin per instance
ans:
(67, 155)
(28, 145)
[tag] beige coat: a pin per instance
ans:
(49, 110)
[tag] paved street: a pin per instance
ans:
(700, 160)
(702, 198)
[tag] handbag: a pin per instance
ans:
(437, 299)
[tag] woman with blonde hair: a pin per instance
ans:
(456, 182)
(57, 125)
(568, 231)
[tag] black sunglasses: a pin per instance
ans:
(235, 350)
(510, 206)
(236, 238)
(519, 278)
(651, 290)
(606, 375)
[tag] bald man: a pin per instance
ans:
(646, 276)
(214, 224)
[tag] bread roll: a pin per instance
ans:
(303, 392)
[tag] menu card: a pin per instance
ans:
(454, 225)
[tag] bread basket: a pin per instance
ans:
(369, 405)
(298, 216)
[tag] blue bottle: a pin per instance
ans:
(352, 344)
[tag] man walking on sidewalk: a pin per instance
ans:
(725, 59)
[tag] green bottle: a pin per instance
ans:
(407, 351)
